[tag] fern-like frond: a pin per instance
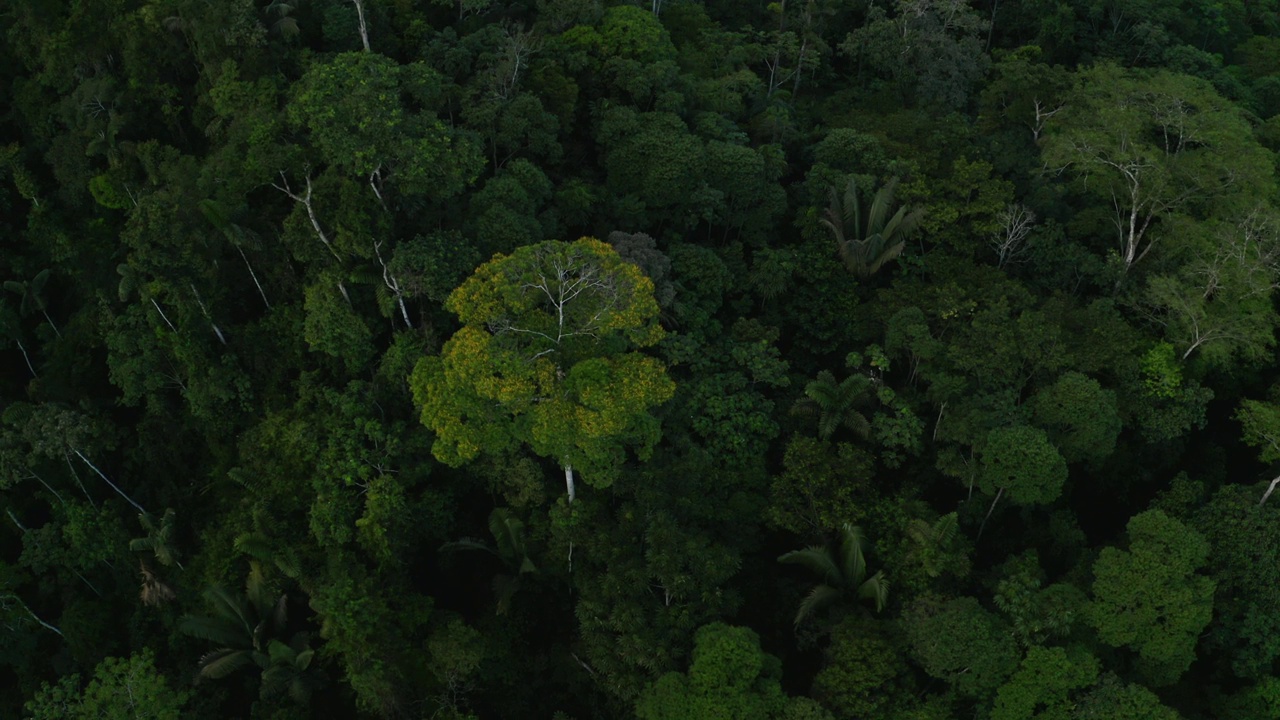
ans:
(228, 607)
(817, 559)
(944, 531)
(223, 662)
(818, 598)
(853, 561)
(876, 589)
(216, 630)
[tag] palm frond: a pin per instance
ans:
(222, 662)
(818, 598)
(280, 653)
(880, 257)
(215, 630)
(920, 532)
(508, 535)
(875, 588)
(504, 588)
(881, 204)
(276, 681)
(944, 531)
(817, 559)
(853, 561)
(467, 545)
(858, 423)
(227, 606)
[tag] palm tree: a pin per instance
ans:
(237, 235)
(843, 569)
(32, 293)
(158, 539)
(248, 630)
(835, 404)
(931, 542)
(510, 548)
(155, 592)
(865, 247)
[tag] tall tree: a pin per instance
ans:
(547, 357)
(1150, 598)
(1152, 147)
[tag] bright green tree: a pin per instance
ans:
(1150, 598)
(121, 689)
(1041, 688)
(1115, 699)
(547, 357)
(729, 678)
(960, 642)
(1081, 418)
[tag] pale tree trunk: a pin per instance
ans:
(35, 617)
(162, 315)
(254, 275)
(216, 330)
(108, 481)
(305, 200)
(56, 331)
(568, 481)
(392, 284)
(364, 28)
(1270, 489)
(990, 510)
(27, 357)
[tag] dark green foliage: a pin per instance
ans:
(987, 280)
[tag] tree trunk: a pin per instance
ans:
(35, 617)
(254, 275)
(568, 481)
(364, 29)
(1270, 489)
(990, 510)
(27, 357)
(108, 481)
(162, 315)
(56, 331)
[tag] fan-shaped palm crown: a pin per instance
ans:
(835, 404)
(866, 244)
(843, 569)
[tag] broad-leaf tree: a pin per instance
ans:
(547, 356)
(1152, 147)
(1150, 598)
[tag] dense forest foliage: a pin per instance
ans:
(807, 359)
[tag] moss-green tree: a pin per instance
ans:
(1149, 597)
(547, 357)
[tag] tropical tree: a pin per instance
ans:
(843, 569)
(248, 630)
(835, 404)
(865, 244)
(32, 294)
(509, 547)
(932, 546)
(1151, 598)
(159, 538)
(546, 356)
(121, 689)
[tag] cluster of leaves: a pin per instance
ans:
(965, 308)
